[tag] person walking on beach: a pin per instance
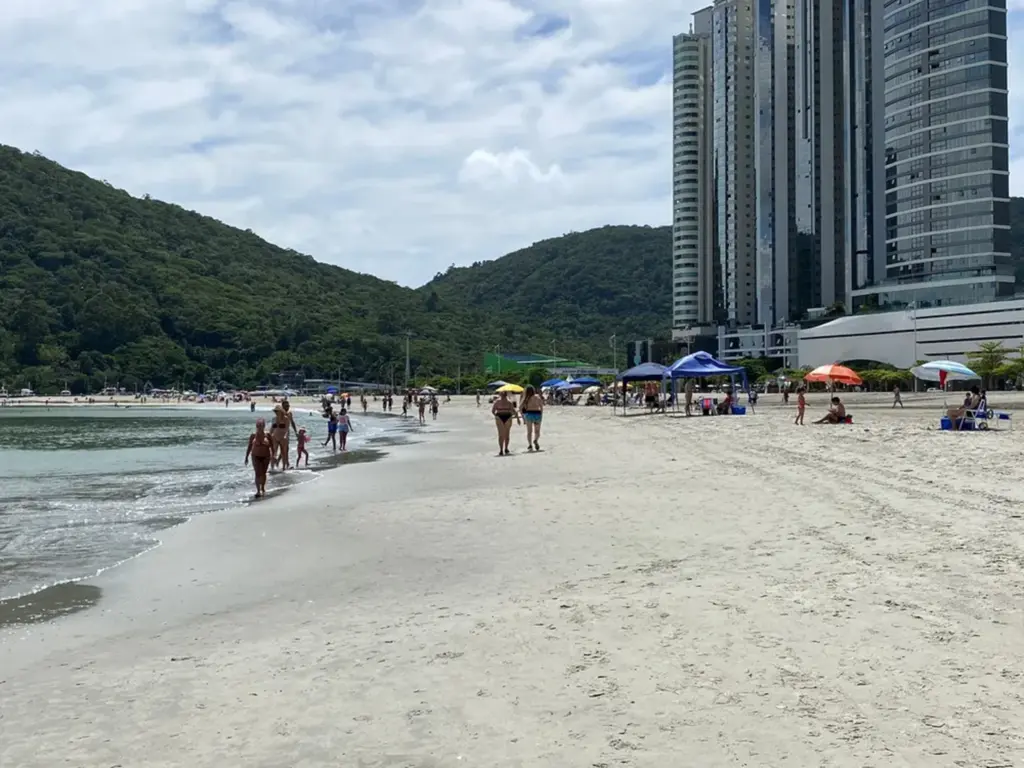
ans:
(533, 413)
(300, 448)
(478, 398)
(896, 398)
(801, 405)
(283, 420)
(504, 411)
(362, 399)
(332, 432)
(434, 407)
(423, 410)
(260, 450)
(344, 427)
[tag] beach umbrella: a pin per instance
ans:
(834, 372)
(943, 371)
(496, 384)
(512, 389)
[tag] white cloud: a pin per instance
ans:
(389, 136)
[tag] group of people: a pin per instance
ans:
(271, 447)
(530, 411)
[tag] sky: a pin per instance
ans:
(394, 137)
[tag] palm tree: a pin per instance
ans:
(987, 359)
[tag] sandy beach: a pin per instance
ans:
(648, 591)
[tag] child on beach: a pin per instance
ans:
(344, 427)
(302, 450)
(332, 432)
(801, 405)
(405, 407)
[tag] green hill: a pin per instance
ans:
(587, 284)
(96, 285)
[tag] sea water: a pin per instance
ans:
(85, 488)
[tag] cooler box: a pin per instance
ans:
(945, 423)
(739, 410)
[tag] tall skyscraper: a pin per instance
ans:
(693, 252)
(733, 148)
(946, 157)
(820, 167)
(864, 75)
(774, 158)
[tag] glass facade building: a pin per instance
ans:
(946, 157)
(733, 150)
(693, 252)
(774, 149)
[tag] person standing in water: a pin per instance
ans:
(260, 450)
(533, 412)
(344, 427)
(332, 432)
(504, 411)
(283, 421)
(300, 448)
(423, 410)
(434, 407)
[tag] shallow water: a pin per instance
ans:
(82, 489)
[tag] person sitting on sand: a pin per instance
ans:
(260, 450)
(504, 411)
(724, 408)
(957, 416)
(836, 414)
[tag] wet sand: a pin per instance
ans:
(647, 592)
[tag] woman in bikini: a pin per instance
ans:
(283, 420)
(504, 411)
(260, 450)
(533, 412)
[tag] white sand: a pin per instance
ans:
(647, 592)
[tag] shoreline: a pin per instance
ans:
(749, 591)
(62, 598)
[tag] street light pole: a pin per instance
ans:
(408, 371)
(615, 357)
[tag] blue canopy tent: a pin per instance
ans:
(552, 383)
(700, 365)
(587, 381)
(642, 372)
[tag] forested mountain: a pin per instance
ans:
(612, 279)
(97, 285)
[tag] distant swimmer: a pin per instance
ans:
(533, 412)
(283, 421)
(504, 411)
(260, 450)
(344, 427)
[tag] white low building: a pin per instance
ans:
(902, 338)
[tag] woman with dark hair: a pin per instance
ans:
(533, 412)
(260, 451)
(504, 411)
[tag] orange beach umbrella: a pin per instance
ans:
(834, 372)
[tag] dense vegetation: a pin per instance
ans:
(97, 286)
(603, 281)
